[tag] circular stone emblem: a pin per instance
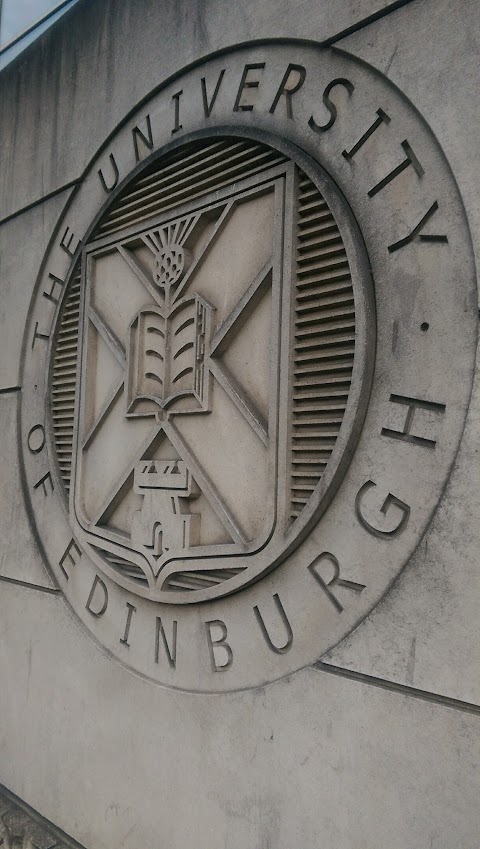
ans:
(241, 405)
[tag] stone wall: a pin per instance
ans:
(330, 695)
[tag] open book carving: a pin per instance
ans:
(167, 358)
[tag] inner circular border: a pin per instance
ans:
(361, 381)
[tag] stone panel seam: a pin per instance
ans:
(39, 201)
(402, 689)
(371, 19)
(39, 587)
(8, 390)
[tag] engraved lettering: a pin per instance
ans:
(293, 79)
(43, 483)
(417, 234)
(37, 335)
(131, 610)
(176, 99)
(382, 118)
(207, 107)
(390, 501)
(36, 439)
(103, 589)
(335, 581)
(330, 106)
(405, 434)
(288, 643)
(171, 652)
(247, 83)
(116, 176)
(147, 139)
(410, 159)
(215, 645)
(71, 550)
(66, 241)
(57, 281)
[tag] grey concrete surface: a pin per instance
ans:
(425, 633)
(310, 761)
(376, 743)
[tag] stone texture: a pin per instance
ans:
(20, 558)
(313, 760)
(426, 631)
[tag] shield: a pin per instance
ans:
(177, 451)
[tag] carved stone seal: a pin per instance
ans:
(247, 366)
